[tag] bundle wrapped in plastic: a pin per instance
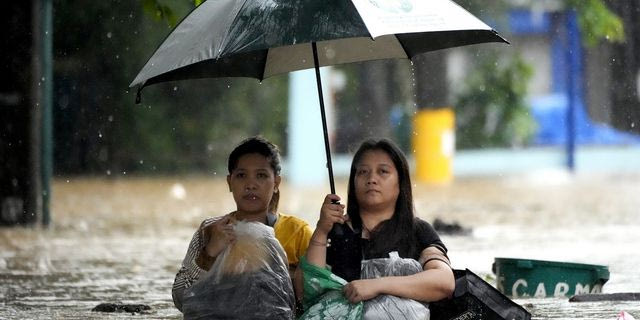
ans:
(388, 307)
(249, 280)
(323, 297)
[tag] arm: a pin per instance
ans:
(202, 251)
(330, 213)
(303, 245)
(435, 282)
(190, 271)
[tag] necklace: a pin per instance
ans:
(369, 232)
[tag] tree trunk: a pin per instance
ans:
(625, 68)
(375, 82)
(432, 90)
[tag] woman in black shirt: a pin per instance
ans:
(380, 220)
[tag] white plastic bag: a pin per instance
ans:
(249, 280)
(388, 307)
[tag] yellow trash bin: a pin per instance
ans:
(434, 144)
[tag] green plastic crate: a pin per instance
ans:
(519, 278)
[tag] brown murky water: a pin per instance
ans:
(122, 240)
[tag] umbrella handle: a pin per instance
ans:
(327, 149)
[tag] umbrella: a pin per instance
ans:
(262, 38)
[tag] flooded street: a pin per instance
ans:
(122, 240)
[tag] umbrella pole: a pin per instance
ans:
(327, 149)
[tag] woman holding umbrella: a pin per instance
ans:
(254, 179)
(380, 220)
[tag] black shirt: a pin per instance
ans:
(347, 247)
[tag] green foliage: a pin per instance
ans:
(491, 111)
(597, 22)
(179, 127)
(162, 11)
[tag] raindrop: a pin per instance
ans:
(124, 173)
(215, 173)
(110, 118)
(141, 161)
(178, 191)
(210, 147)
(67, 180)
(109, 34)
(117, 56)
(42, 79)
(108, 172)
(633, 124)
(99, 134)
(175, 88)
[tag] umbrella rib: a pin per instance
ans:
(264, 65)
(404, 48)
(223, 43)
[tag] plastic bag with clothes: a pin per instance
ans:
(323, 297)
(388, 307)
(249, 280)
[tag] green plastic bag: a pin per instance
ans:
(323, 297)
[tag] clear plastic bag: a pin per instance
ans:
(249, 280)
(388, 307)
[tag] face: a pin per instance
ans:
(376, 181)
(253, 183)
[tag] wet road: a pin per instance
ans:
(122, 240)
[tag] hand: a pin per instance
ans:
(361, 290)
(330, 213)
(220, 235)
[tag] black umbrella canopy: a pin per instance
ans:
(262, 38)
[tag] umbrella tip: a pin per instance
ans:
(139, 95)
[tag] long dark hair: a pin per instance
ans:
(390, 232)
(264, 147)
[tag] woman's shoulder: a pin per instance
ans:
(209, 221)
(421, 225)
(286, 219)
(427, 235)
(292, 226)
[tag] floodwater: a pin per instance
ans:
(122, 240)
